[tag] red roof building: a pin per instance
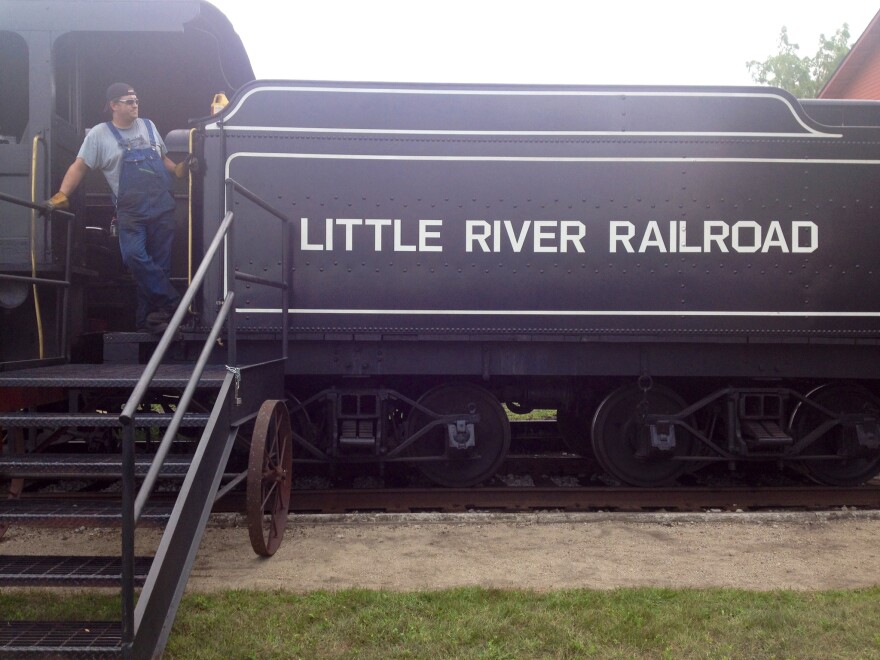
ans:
(858, 76)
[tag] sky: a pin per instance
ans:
(606, 42)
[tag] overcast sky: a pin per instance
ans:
(517, 41)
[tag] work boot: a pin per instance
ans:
(157, 322)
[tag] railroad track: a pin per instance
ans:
(695, 499)
(528, 481)
(544, 498)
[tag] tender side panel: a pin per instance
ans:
(725, 213)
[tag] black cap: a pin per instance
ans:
(116, 90)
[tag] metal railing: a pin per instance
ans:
(231, 275)
(133, 504)
(62, 320)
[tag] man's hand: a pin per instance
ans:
(187, 165)
(58, 201)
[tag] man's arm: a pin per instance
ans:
(72, 178)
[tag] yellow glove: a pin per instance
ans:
(58, 201)
(184, 167)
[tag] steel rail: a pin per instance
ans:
(581, 499)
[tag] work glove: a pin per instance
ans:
(187, 165)
(58, 201)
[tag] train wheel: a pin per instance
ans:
(621, 441)
(856, 465)
(269, 478)
(471, 465)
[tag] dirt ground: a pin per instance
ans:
(534, 551)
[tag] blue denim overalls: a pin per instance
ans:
(145, 215)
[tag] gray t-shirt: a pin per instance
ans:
(101, 151)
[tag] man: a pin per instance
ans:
(132, 156)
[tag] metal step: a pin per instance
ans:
(41, 639)
(57, 571)
(109, 376)
(95, 420)
(67, 512)
(765, 433)
(86, 466)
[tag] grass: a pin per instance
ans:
(536, 414)
(490, 624)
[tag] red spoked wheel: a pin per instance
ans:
(269, 478)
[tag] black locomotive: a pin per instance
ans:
(685, 274)
(369, 271)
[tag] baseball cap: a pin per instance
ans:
(116, 90)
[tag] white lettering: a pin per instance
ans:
(710, 236)
(328, 233)
(682, 240)
(572, 231)
(652, 238)
(517, 242)
(349, 224)
(377, 224)
(425, 235)
(621, 232)
(774, 238)
(812, 231)
(738, 244)
(471, 235)
(555, 236)
(398, 240)
(304, 236)
(543, 232)
(745, 236)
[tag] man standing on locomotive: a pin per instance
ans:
(133, 158)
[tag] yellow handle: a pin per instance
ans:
(39, 314)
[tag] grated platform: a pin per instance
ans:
(59, 571)
(63, 512)
(45, 638)
(109, 376)
(37, 466)
(96, 420)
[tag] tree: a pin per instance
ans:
(802, 76)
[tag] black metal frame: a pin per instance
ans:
(792, 453)
(63, 349)
(396, 455)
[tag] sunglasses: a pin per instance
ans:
(128, 101)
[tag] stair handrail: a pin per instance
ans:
(129, 517)
(137, 395)
(232, 274)
(133, 504)
(63, 283)
(149, 373)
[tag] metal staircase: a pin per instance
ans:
(235, 396)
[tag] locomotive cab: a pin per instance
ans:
(56, 61)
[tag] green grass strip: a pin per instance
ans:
(479, 623)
